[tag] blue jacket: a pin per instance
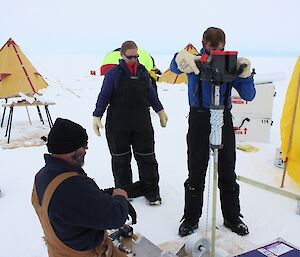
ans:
(244, 86)
(110, 84)
(79, 211)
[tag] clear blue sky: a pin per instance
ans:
(50, 27)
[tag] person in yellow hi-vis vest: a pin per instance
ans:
(73, 211)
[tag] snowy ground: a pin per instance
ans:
(268, 215)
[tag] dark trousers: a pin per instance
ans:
(121, 138)
(198, 156)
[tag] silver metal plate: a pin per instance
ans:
(145, 248)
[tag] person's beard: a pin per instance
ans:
(78, 159)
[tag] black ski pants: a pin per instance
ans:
(198, 156)
(123, 132)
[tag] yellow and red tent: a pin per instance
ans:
(172, 78)
(17, 74)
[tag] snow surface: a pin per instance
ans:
(75, 91)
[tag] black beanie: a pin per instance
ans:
(66, 136)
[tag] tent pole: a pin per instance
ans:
(291, 131)
(23, 67)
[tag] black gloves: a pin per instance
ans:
(108, 190)
(132, 213)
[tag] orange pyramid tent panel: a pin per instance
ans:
(172, 78)
(17, 74)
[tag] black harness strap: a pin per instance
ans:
(200, 91)
(226, 96)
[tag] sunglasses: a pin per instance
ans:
(131, 56)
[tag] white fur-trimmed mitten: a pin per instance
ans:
(186, 62)
(247, 69)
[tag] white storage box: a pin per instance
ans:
(262, 104)
(251, 128)
(253, 120)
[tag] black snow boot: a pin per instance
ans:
(237, 226)
(154, 201)
(187, 227)
(151, 193)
